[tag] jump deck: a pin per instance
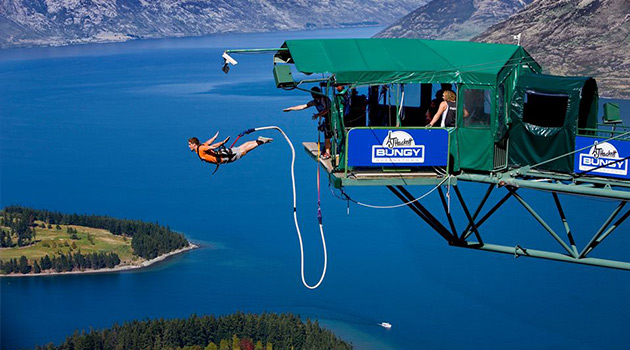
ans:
(375, 177)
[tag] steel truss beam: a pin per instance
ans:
(570, 253)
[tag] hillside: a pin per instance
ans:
(39, 241)
(230, 332)
(569, 37)
(452, 19)
(62, 22)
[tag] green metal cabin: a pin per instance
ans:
(515, 129)
(518, 117)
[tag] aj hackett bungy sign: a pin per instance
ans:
(381, 147)
(398, 147)
(602, 158)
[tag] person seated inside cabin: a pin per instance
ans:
(321, 102)
(217, 153)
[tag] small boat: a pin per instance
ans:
(385, 325)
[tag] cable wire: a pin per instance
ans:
(348, 198)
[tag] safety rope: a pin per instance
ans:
(346, 197)
(297, 226)
(319, 197)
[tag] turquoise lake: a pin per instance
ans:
(102, 129)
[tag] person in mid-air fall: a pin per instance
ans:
(217, 153)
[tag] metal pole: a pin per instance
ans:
(420, 214)
(564, 221)
(426, 215)
(448, 214)
(470, 219)
(610, 230)
(587, 189)
(481, 204)
(543, 223)
(488, 214)
(256, 50)
(515, 251)
(601, 229)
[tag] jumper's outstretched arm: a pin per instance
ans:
(219, 144)
(210, 141)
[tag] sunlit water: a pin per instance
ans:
(102, 129)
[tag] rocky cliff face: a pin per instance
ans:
(61, 22)
(575, 37)
(453, 19)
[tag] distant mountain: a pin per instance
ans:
(452, 19)
(62, 22)
(575, 37)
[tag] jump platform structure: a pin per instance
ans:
(515, 129)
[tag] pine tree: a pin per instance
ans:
(46, 263)
(236, 342)
(36, 267)
(23, 266)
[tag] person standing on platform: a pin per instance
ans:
(322, 104)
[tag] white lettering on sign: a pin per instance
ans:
(398, 147)
(603, 158)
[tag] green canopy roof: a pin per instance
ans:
(378, 61)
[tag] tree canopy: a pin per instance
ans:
(237, 331)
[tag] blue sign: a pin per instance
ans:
(369, 147)
(601, 157)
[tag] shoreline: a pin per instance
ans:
(119, 268)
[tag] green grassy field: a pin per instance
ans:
(50, 241)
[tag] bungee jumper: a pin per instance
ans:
(217, 153)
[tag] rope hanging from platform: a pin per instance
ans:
(297, 226)
(348, 198)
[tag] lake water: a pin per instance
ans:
(102, 129)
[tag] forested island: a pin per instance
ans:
(39, 241)
(238, 331)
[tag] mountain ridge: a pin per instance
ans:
(568, 37)
(62, 22)
(452, 19)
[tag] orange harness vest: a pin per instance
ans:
(220, 156)
(210, 157)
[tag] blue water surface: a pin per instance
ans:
(102, 129)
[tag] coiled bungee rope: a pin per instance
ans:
(295, 219)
